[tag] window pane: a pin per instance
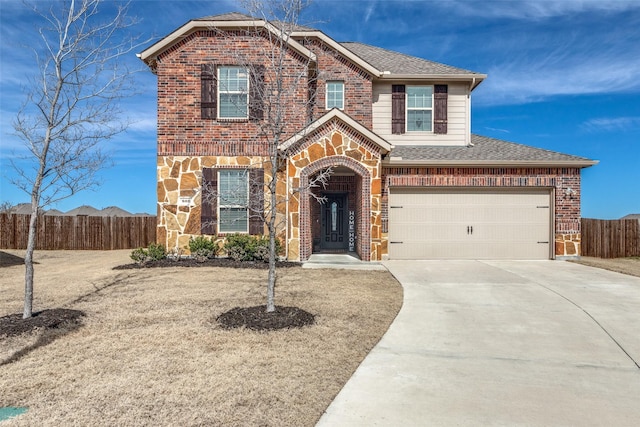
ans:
(233, 220)
(233, 188)
(335, 95)
(232, 105)
(419, 96)
(419, 120)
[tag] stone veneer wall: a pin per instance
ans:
(181, 176)
(335, 145)
(567, 208)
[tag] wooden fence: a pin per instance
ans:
(78, 232)
(610, 238)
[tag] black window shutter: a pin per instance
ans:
(440, 98)
(208, 91)
(256, 201)
(256, 92)
(397, 109)
(209, 208)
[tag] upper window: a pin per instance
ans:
(233, 92)
(233, 196)
(335, 95)
(419, 108)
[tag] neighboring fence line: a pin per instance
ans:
(78, 232)
(610, 238)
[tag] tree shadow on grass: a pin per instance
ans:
(9, 260)
(51, 324)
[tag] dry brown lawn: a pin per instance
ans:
(150, 352)
(629, 266)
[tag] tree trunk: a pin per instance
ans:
(271, 284)
(28, 263)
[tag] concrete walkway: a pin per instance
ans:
(502, 343)
(340, 261)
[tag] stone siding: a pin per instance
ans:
(333, 145)
(181, 177)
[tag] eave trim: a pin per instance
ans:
(336, 113)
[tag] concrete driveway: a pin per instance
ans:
(502, 343)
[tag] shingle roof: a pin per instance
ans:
(400, 63)
(484, 150)
(632, 216)
(231, 16)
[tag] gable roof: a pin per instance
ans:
(399, 65)
(378, 62)
(340, 115)
(227, 20)
(484, 151)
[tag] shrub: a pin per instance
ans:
(203, 248)
(243, 247)
(154, 252)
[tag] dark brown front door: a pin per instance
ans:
(334, 222)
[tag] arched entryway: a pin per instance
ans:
(342, 223)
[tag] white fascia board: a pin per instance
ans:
(341, 49)
(381, 142)
(192, 26)
(397, 161)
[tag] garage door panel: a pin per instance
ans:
(472, 224)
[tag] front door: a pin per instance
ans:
(334, 222)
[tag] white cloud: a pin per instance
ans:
(530, 82)
(537, 9)
(608, 124)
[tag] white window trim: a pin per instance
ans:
(326, 94)
(222, 206)
(219, 92)
(406, 110)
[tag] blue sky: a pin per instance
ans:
(562, 75)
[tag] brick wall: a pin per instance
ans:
(182, 131)
(357, 83)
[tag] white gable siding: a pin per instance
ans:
(458, 128)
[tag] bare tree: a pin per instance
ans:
(273, 85)
(71, 106)
(6, 207)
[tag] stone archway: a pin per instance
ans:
(363, 204)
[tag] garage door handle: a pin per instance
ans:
(543, 242)
(395, 207)
(396, 242)
(469, 229)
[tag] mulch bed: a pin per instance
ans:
(257, 319)
(214, 262)
(57, 318)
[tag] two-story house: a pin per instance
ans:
(409, 180)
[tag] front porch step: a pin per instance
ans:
(340, 261)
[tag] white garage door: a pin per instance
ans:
(469, 224)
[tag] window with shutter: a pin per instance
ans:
(440, 101)
(397, 109)
(208, 91)
(209, 209)
(256, 92)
